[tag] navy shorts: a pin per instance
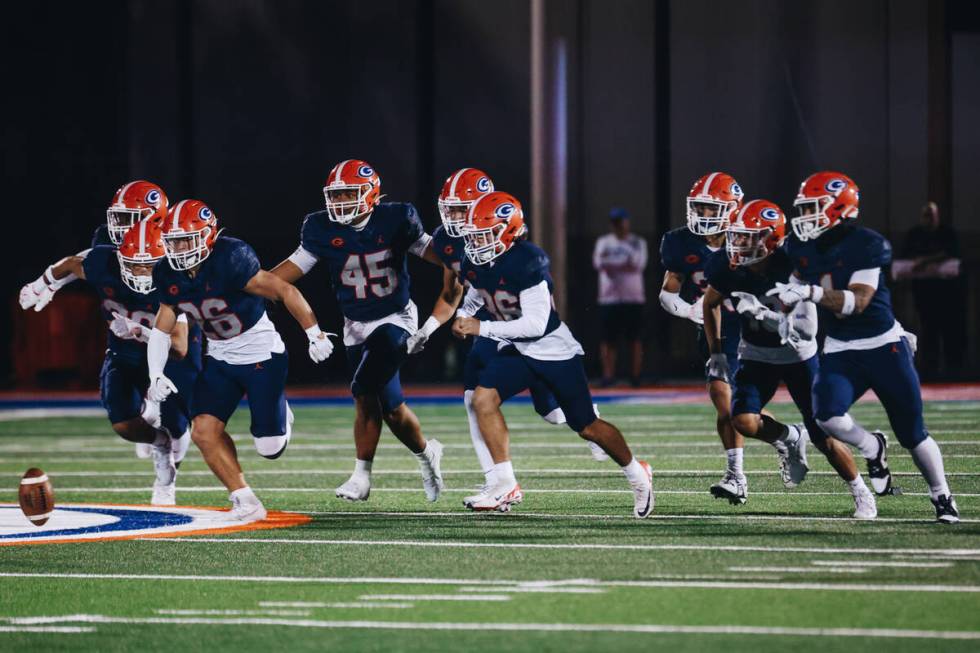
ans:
(481, 353)
(510, 373)
(374, 365)
(222, 385)
(123, 384)
(889, 370)
(756, 383)
(729, 347)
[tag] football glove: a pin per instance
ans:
(160, 388)
(127, 329)
(748, 304)
(717, 367)
(320, 345)
(416, 342)
(791, 294)
(37, 294)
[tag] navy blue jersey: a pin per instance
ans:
(215, 297)
(101, 267)
(368, 267)
(450, 252)
(830, 260)
(726, 280)
(101, 236)
(501, 281)
(685, 253)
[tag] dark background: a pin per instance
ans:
(248, 104)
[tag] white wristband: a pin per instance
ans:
(429, 327)
(816, 293)
(848, 307)
(313, 332)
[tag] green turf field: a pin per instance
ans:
(569, 570)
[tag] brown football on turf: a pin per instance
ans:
(36, 496)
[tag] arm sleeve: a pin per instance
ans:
(157, 350)
(419, 246)
(804, 320)
(535, 310)
(673, 304)
(867, 277)
(303, 258)
(472, 302)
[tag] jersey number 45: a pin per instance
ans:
(369, 271)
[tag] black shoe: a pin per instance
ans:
(881, 476)
(946, 512)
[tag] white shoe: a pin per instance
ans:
(246, 511)
(144, 450)
(732, 486)
(865, 506)
(431, 467)
(181, 445)
(499, 498)
(598, 454)
(793, 465)
(164, 495)
(643, 497)
(480, 491)
(356, 488)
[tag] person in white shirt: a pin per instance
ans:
(620, 258)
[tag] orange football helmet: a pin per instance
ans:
(189, 232)
(711, 203)
(352, 191)
(141, 248)
(825, 199)
(494, 224)
(757, 230)
(135, 201)
(461, 189)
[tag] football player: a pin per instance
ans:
(129, 300)
(775, 347)
(132, 202)
(459, 192)
(365, 244)
(510, 276)
(838, 266)
(712, 202)
(217, 282)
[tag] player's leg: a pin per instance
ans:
(175, 414)
(567, 380)
(482, 351)
(265, 386)
(504, 376)
(840, 381)
(406, 427)
(367, 434)
(799, 379)
(896, 383)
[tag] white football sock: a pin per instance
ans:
(790, 434)
(857, 486)
(504, 473)
(929, 460)
(634, 473)
(557, 416)
(735, 461)
(845, 429)
(363, 466)
(244, 495)
(482, 453)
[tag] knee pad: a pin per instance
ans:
(837, 426)
(271, 446)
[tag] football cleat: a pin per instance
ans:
(946, 511)
(881, 476)
(792, 458)
(431, 467)
(356, 488)
(164, 491)
(245, 511)
(734, 487)
(499, 498)
(164, 495)
(480, 491)
(643, 497)
(865, 506)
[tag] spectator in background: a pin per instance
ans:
(933, 253)
(620, 258)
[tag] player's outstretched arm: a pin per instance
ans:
(40, 292)
(862, 287)
(670, 299)
(448, 300)
(717, 364)
(157, 351)
(271, 286)
(288, 271)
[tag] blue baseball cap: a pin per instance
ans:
(618, 213)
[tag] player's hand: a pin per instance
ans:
(160, 388)
(787, 334)
(416, 342)
(791, 294)
(127, 329)
(321, 347)
(37, 294)
(748, 304)
(466, 326)
(697, 311)
(717, 367)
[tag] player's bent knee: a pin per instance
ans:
(125, 430)
(836, 425)
(746, 423)
(271, 446)
(485, 400)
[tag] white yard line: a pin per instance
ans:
(236, 613)
(433, 597)
(578, 582)
(47, 629)
(519, 627)
(335, 604)
(536, 590)
(880, 563)
(800, 570)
